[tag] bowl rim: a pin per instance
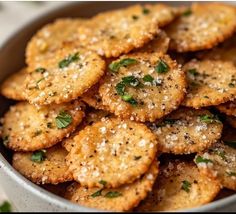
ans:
(53, 198)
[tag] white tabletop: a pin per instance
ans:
(12, 16)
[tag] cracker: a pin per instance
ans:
(13, 86)
(187, 131)
(127, 196)
(64, 76)
(160, 43)
(92, 98)
(203, 27)
(116, 32)
(158, 87)
(50, 167)
(228, 108)
(115, 151)
(219, 162)
(50, 38)
(226, 51)
(28, 128)
(211, 82)
(91, 117)
(180, 185)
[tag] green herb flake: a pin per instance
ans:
(38, 81)
(161, 67)
(137, 157)
(231, 174)
(120, 88)
(115, 66)
(112, 194)
(5, 140)
(148, 78)
(5, 207)
(131, 81)
(129, 99)
(63, 120)
(68, 60)
(38, 156)
(40, 70)
(209, 119)
(187, 12)
(186, 186)
(49, 125)
(146, 11)
(96, 194)
(231, 85)
(170, 121)
(200, 159)
(102, 182)
(231, 144)
(193, 72)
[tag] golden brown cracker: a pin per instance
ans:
(149, 87)
(123, 198)
(44, 166)
(180, 185)
(211, 82)
(13, 86)
(28, 128)
(64, 76)
(113, 150)
(202, 26)
(50, 38)
(219, 162)
(116, 32)
(187, 131)
(229, 108)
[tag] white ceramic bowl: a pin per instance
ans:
(25, 195)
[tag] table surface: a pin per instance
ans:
(12, 16)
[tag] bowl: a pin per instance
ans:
(25, 195)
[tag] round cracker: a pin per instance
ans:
(66, 75)
(219, 162)
(210, 83)
(13, 86)
(160, 43)
(28, 128)
(113, 150)
(154, 99)
(52, 169)
(184, 131)
(92, 98)
(203, 27)
(228, 108)
(116, 32)
(180, 185)
(91, 117)
(50, 38)
(129, 195)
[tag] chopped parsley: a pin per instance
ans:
(115, 66)
(193, 72)
(146, 11)
(161, 67)
(120, 88)
(186, 186)
(68, 60)
(137, 157)
(200, 159)
(112, 194)
(220, 153)
(5, 207)
(148, 78)
(131, 81)
(129, 99)
(209, 119)
(231, 174)
(40, 70)
(170, 121)
(38, 156)
(63, 120)
(96, 194)
(5, 140)
(187, 12)
(230, 143)
(103, 182)
(38, 81)
(231, 85)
